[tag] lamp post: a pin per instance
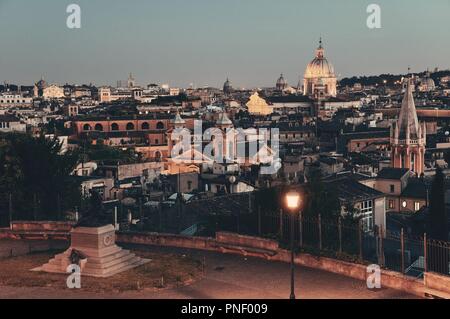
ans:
(293, 204)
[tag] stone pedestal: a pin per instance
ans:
(103, 257)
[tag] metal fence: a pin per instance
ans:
(340, 238)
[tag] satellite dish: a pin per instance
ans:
(232, 179)
(447, 133)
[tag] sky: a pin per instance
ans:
(202, 42)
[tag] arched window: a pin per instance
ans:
(145, 126)
(114, 127)
(130, 126)
(98, 127)
(160, 126)
(403, 159)
(87, 127)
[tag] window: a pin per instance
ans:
(392, 188)
(367, 215)
(130, 126)
(114, 127)
(98, 127)
(189, 184)
(391, 204)
(145, 126)
(416, 206)
(160, 126)
(86, 127)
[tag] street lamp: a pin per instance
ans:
(293, 205)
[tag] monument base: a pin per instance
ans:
(103, 258)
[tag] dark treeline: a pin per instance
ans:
(389, 78)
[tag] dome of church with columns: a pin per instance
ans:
(319, 74)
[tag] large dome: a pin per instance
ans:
(319, 67)
(319, 80)
(227, 87)
(281, 83)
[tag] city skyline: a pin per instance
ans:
(251, 44)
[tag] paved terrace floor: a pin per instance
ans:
(233, 277)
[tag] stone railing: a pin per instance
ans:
(37, 230)
(42, 226)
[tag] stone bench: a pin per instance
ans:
(245, 245)
(245, 250)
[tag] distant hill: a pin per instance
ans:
(390, 78)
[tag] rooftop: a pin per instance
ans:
(349, 189)
(289, 99)
(8, 118)
(416, 189)
(392, 173)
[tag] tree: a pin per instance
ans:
(101, 152)
(438, 222)
(38, 176)
(268, 199)
(321, 199)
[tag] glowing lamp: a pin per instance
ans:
(293, 200)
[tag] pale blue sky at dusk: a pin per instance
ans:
(204, 41)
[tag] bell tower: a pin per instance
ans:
(408, 136)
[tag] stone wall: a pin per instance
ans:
(436, 284)
(157, 239)
(39, 230)
(40, 226)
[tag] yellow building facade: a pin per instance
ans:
(257, 105)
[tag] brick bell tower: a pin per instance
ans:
(408, 137)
